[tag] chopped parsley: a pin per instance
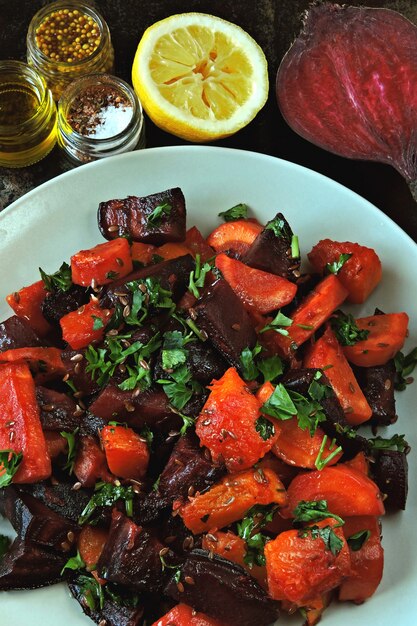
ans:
(278, 324)
(326, 534)
(284, 405)
(336, 266)
(148, 294)
(252, 366)
(397, 442)
(346, 329)
(320, 463)
(279, 227)
(74, 563)
(358, 540)
(265, 428)
(98, 322)
(180, 387)
(160, 211)
(237, 212)
(249, 529)
(174, 352)
(71, 441)
(106, 494)
(311, 511)
(9, 464)
(404, 366)
(198, 276)
(60, 280)
(91, 591)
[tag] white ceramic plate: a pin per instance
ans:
(57, 219)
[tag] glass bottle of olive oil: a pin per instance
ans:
(27, 115)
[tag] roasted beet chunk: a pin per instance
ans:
(131, 556)
(26, 566)
(57, 410)
(155, 219)
(137, 410)
(222, 590)
(221, 314)
(272, 250)
(59, 303)
(377, 384)
(113, 613)
(60, 498)
(390, 472)
(75, 364)
(15, 332)
(203, 361)
(187, 468)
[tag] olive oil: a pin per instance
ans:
(18, 103)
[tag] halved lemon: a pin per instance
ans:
(199, 77)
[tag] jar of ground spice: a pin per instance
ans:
(67, 39)
(99, 115)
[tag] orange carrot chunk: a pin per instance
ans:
(312, 312)
(289, 576)
(387, 334)
(142, 252)
(172, 250)
(86, 324)
(26, 303)
(19, 414)
(102, 264)
(237, 236)
(228, 500)
(184, 615)
(90, 545)
(44, 363)
(228, 421)
(263, 291)
(360, 274)
(328, 354)
(126, 452)
(348, 492)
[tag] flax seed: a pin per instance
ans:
(113, 228)
(76, 486)
(70, 536)
(129, 407)
(126, 311)
(180, 587)
(236, 327)
(163, 552)
(189, 580)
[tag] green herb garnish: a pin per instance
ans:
(249, 529)
(278, 324)
(396, 442)
(265, 428)
(9, 464)
(358, 540)
(107, 494)
(198, 276)
(160, 211)
(74, 563)
(71, 441)
(336, 266)
(404, 365)
(237, 212)
(58, 281)
(346, 329)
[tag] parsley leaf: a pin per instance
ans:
(147, 294)
(106, 494)
(174, 352)
(326, 534)
(314, 511)
(284, 405)
(92, 591)
(257, 517)
(270, 368)
(357, 540)
(74, 563)
(60, 280)
(250, 370)
(9, 464)
(265, 428)
(98, 322)
(280, 404)
(346, 329)
(336, 266)
(70, 437)
(320, 463)
(277, 324)
(237, 212)
(404, 365)
(397, 442)
(198, 276)
(279, 227)
(4, 545)
(180, 388)
(160, 211)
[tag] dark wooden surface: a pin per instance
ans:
(273, 23)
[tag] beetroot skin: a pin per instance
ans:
(349, 85)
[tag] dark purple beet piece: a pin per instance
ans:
(130, 556)
(35, 522)
(271, 250)
(26, 566)
(15, 332)
(57, 410)
(221, 314)
(172, 275)
(187, 468)
(59, 303)
(113, 613)
(61, 498)
(203, 361)
(137, 218)
(222, 590)
(390, 472)
(146, 408)
(377, 384)
(76, 371)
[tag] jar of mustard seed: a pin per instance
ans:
(27, 115)
(67, 39)
(99, 115)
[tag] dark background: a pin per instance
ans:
(274, 24)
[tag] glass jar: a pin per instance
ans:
(27, 115)
(98, 116)
(67, 39)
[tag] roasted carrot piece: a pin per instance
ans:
(286, 557)
(55, 443)
(228, 500)
(27, 303)
(90, 543)
(184, 615)
(227, 423)
(387, 334)
(348, 492)
(315, 608)
(19, 414)
(44, 363)
(360, 274)
(86, 324)
(328, 354)
(172, 250)
(142, 252)
(102, 264)
(126, 452)
(196, 243)
(367, 561)
(90, 462)
(359, 463)
(312, 312)
(231, 547)
(237, 236)
(260, 290)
